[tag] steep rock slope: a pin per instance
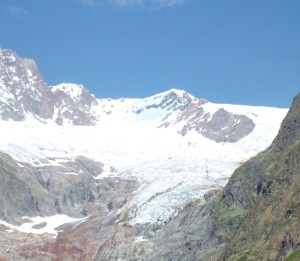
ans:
(68, 187)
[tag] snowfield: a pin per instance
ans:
(172, 169)
(48, 225)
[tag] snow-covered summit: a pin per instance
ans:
(25, 95)
(168, 100)
(181, 95)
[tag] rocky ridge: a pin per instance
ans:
(24, 94)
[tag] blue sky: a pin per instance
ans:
(227, 51)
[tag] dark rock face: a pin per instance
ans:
(223, 126)
(227, 127)
(67, 188)
(289, 131)
(15, 194)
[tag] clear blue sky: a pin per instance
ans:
(227, 51)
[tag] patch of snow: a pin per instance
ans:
(5, 95)
(69, 173)
(108, 171)
(51, 224)
(12, 69)
(29, 73)
(140, 239)
(16, 79)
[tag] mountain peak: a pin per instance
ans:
(168, 100)
(175, 91)
(181, 95)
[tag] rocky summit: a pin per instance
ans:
(167, 177)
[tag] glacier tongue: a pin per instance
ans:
(169, 184)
